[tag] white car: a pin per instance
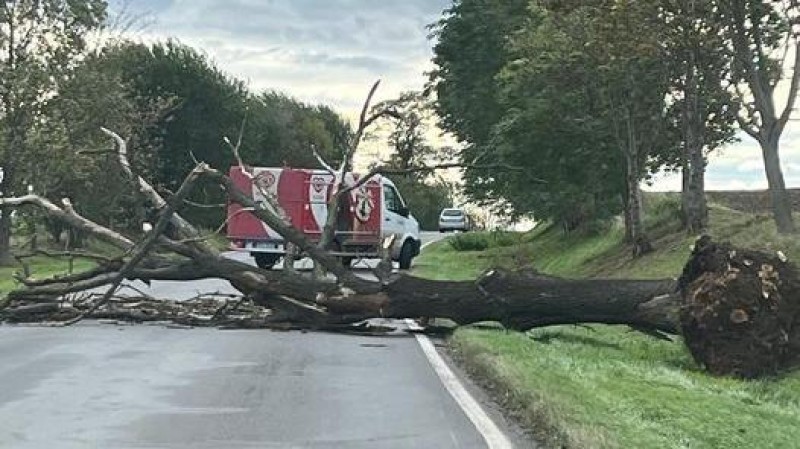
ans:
(453, 219)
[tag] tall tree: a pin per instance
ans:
(40, 41)
(701, 105)
(573, 91)
(208, 104)
(471, 50)
(633, 82)
(555, 127)
(410, 125)
(762, 34)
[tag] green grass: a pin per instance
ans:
(607, 387)
(605, 254)
(41, 267)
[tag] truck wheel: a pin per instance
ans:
(406, 255)
(266, 260)
(347, 261)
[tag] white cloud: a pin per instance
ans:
(321, 51)
(331, 51)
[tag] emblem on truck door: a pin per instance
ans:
(364, 204)
(319, 183)
(265, 179)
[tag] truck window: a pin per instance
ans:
(393, 200)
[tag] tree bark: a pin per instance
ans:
(694, 205)
(781, 206)
(635, 232)
(523, 301)
(6, 258)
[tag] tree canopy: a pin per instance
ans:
(581, 96)
(177, 105)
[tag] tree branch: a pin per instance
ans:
(793, 89)
(141, 251)
(72, 218)
(183, 228)
(287, 230)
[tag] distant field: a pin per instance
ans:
(750, 201)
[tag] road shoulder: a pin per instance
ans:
(513, 435)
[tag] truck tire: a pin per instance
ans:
(406, 255)
(347, 261)
(266, 260)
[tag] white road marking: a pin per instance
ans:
(494, 437)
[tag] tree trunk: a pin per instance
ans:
(781, 206)
(695, 207)
(633, 212)
(634, 231)
(6, 258)
(525, 301)
(694, 204)
(522, 301)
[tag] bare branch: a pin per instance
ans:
(69, 279)
(204, 206)
(72, 218)
(141, 250)
(762, 94)
(363, 124)
(382, 170)
(322, 162)
(95, 152)
(69, 254)
(183, 227)
(793, 89)
(285, 229)
(272, 203)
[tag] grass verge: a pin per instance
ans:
(41, 267)
(604, 386)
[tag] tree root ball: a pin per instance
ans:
(740, 313)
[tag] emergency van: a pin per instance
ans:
(367, 215)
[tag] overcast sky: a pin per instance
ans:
(330, 51)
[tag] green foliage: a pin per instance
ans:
(410, 124)
(469, 242)
(425, 199)
(471, 50)
(580, 97)
(481, 241)
(173, 104)
(574, 93)
(40, 43)
(469, 53)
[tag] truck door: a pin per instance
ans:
(394, 219)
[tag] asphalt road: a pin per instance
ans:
(109, 386)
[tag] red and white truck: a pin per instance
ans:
(367, 215)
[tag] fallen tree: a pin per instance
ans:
(736, 309)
